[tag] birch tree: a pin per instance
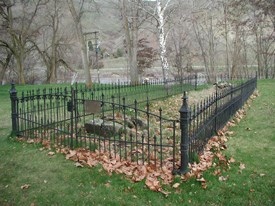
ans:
(162, 35)
(161, 12)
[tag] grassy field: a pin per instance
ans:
(56, 181)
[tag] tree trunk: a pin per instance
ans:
(131, 37)
(81, 40)
(20, 65)
(258, 46)
(236, 52)
(226, 41)
(4, 66)
(162, 41)
(211, 52)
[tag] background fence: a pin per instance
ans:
(122, 127)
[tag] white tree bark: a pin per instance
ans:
(162, 38)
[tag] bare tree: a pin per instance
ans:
(130, 17)
(203, 26)
(77, 15)
(5, 59)
(161, 12)
(53, 40)
(19, 29)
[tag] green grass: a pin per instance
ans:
(56, 181)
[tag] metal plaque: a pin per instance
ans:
(92, 106)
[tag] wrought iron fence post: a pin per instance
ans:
(72, 117)
(216, 108)
(119, 85)
(196, 81)
(184, 145)
(256, 76)
(14, 115)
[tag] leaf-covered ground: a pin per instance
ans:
(156, 177)
(242, 171)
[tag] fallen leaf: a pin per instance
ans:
(25, 186)
(176, 185)
(262, 174)
(77, 164)
(30, 141)
(108, 184)
(204, 185)
(217, 172)
(72, 155)
(231, 160)
(166, 193)
(251, 190)
(242, 166)
(51, 153)
(91, 162)
(222, 178)
(201, 180)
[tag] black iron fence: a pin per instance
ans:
(109, 123)
(153, 89)
(201, 121)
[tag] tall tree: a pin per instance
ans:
(161, 11)
(203, 26)
(162, 36)
(130, 18)
(53, 40)
(5, 59)
(19, 29)
(80, 35)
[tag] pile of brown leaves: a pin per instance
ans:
(135, 171)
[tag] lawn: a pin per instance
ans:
(53, 180)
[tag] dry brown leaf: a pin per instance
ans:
(30, 141)
(77, 164)
(231, 160)
(152, 183)
(201, 180)
(217, 172)
(176, 185)
(46, 144)
(166, 193)
(91, 162)
(204, 185)
(108, 184)
(242, 166)
(51, 153)
(229, 133)
(71, 155)
(222, 178)
(139, 173)
(25, 186)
